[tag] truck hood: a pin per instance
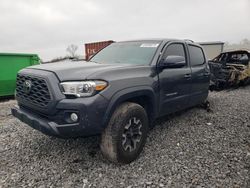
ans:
(67, 71)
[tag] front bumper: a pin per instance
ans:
(43, 125)
(91, 118)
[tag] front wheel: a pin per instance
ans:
(123, 139)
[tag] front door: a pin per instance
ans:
(175, 83)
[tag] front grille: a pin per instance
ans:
(38, 92)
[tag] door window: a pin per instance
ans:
(175, 50)
(196, 55)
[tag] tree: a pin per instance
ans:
(72, 50)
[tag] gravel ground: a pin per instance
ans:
(191, 149)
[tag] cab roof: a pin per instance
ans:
(165, 40)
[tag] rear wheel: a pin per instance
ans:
(123, 139)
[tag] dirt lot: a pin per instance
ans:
(192, 148)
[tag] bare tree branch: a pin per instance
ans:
(71, 49)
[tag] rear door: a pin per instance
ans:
(200, 74)
(175, 83)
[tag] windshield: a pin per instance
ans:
(137, 53)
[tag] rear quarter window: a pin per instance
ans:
(196, 55)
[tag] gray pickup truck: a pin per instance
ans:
(118, 93)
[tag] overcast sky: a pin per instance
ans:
(47, 27)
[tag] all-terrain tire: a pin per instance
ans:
(114, 146)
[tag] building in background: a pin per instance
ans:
(212, 49)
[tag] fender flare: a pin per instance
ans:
(129, 93)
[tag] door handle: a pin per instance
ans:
(187, 76)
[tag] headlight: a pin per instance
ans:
(83, 88)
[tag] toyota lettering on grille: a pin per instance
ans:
(27, 86)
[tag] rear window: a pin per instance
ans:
(196, 55)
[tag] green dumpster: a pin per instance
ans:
(10, 64)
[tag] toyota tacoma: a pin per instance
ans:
(117, 94)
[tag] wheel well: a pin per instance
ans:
(147, 103)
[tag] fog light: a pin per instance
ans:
(74, 117)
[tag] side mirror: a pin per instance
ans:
(173, 61)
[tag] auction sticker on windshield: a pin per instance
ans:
(149, 45)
